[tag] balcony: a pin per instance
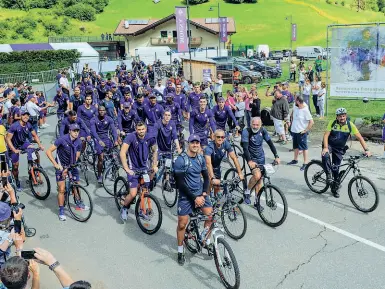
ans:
(64, 39)
(173, 41)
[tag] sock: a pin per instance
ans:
(61, 210)
(208, 242)
(180, 249)
(247, 192)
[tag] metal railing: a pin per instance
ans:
(173, 41)
(54, 39)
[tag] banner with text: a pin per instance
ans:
(223, 28)
(181, 28)
(293, 32)
(358, 62)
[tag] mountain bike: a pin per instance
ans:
(110, 155)
(39, 182)
(224, 256)
(316, 180)
(77, 199)
(237, 150)
(169, 190)
(274, 200)
(232, 216)
(60, 117)
(148, 211)
(112, 171)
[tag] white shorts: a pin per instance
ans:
(279, 127)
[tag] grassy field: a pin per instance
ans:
(259, 23)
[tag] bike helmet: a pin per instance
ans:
(341, 110)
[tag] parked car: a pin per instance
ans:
(266, 70)
(276, 55)
(248, 76)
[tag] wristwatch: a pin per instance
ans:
(54, 265)
(366, 149)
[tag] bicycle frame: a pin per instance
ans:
(351, 165)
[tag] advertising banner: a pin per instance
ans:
(223, 28)
(181, 28)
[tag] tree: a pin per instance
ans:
(372, 5)
(380, 4)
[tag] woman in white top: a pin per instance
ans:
(306, 92)
(321, 100)
(316, 86)
(301, 78)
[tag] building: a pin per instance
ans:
(162, 32)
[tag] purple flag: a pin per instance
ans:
(293, 32)
(181, 28)
(223, 28)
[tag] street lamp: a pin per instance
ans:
(219, 27)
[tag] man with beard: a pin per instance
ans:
(102, 90)
(127, 118)
(193, 100)
(139, 106)
(152, 113)
(169, 89)
(116, 96)
(175, 110)
(126, 98)
(76, 100)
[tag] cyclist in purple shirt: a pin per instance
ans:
(18, 140)
(116, 96)
(126, 98)
(72, 118)
(137, 147)
(193, 100)
(152, 113)
(87, 111)
(67, 153)
(139, 106)
(201, 120)
(102, 90)
(134, 87)
(166, 133)
(176, 112)
(63, 101)
(180, 97)
(101, 127)
(169, 89)
(127, 119)
(222, 113)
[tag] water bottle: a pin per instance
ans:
(204, 233)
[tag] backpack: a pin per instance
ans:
(347, 122)
(187, 161)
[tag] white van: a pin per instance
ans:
(309, 52)
(263, 47)
(149, 54)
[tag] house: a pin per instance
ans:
(162, 32)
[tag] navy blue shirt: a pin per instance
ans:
(257, 153)
(193, 173)
(126, 121)
(217, 153)
(76, 101)
(66, 150)
(62, 102)
(166, 134)
(221, 116)
(138, 150)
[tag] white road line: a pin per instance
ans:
(337, 230)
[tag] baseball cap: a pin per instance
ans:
(5, 211)
(194, 137)
(113, 85)
(221, 99)
(152, 96)
(74, 126)
(58, 90)
(23, 112)
(126, 104)
(169, 95)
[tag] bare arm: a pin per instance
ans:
(123, 156)
(309, 126)
(154, 150)
(236, 162)
(9, 141)
(209, 166)
(50, 156)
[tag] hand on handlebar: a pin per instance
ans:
(368, 154)
(41, 147)
(216, 182)
(277, 161)
(102, 143)
(324, 151)
(17, 151)
(130, 172)
(59, 167)
(155, 169)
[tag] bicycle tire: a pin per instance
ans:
(38, 195)
(229, 175)
(234, 263)
(239, 153)
(57, 130)
(120, 191)
(83, 195)
(228, 208)
(114, 174)
(285, 208)
(308, 183)
(358, 207)
(84, 169)
(192, 245)
(89, 154)
(172, 201)
(138, 218)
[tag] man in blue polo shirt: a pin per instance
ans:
(137, 147)
(193, 193)
(68, 151)
(76, 100)
(18, 140)
(101, 127)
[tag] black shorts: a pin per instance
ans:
(300, 141)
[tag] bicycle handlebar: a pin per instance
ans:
(34, 150)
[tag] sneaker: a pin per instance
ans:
(41, 127)
(279, 141)
(258, 207)
(288, 137)
(143, 216)
(303, 167)
(18, 186)
(293, 162)
(247, 199)
(336, 194)
(124, 214)
(81, 207)
(62, 217)
(167, 186)
(284, 143)
(100, 181)
(181, 259)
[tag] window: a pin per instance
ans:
(317, 50)
(174, 34)
(163, 34)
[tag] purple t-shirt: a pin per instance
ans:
(166, 133)
(193, 101)
(62, 102)
(200, 122)
(86, 114)
(20, 133)
(139, 150)
(221, 116)
(66, 150)
(100, 128)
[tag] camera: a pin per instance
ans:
(15, 208)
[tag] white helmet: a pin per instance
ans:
(341, 110)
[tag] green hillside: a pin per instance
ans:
(259, 23)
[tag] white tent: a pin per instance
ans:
(5, 48)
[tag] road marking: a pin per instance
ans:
(337, 230)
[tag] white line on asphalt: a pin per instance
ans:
(337, 230)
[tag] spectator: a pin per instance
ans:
(280, 113)
(321, 100)
(102, 36)
(230, 101)
(302, 122)
(236, 75)
(310, 73)
(42, 102)
(301, 78)
(316, 86)
(64, 84)
(383, 136)
(318, 65)
(293, 71)
(110, 36)
(248, 99)
(218, 88)
(34, 111)
(306, 92)
(240, 112)
(255, 105)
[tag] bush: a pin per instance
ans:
(343, 3)
(3, 35)
(28, 34)
(53, 26)
(15, 36)
(4, 25)
(195, 2)
(81, 12)
(21, 28)
(66, 21)
(30, 22)
(336, 2)
(46, 4)
(328, 1)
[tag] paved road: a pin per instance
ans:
(324, 243)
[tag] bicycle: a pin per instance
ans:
(169, 190)
(358, 179)
(39, 182)
(144, 209)
(237, 150)
(230, 211)
(113, 167)
(223, 258)
(60, 117)
(76, 194)
(109, 155)
(270, 201)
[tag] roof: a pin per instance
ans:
(137, 29)
(200, 59)
(84, 48)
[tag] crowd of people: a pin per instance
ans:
(146, 119)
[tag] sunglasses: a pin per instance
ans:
(220, 136)
(76, 130)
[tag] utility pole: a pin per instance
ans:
(189, 36)
(219, 27)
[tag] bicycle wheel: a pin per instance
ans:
(89, 154)
(148, 214)
(315, 177)
(121, 189)
(367, 194)
(39, 183)
(109, 176)
(191, 240)
(84, 169)
(233, 220)
(227, 265)
(169, 197)
(274, 211)
(239, 153)
(226, 163)
(79, 203)
(238, 190)
(57, 130)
